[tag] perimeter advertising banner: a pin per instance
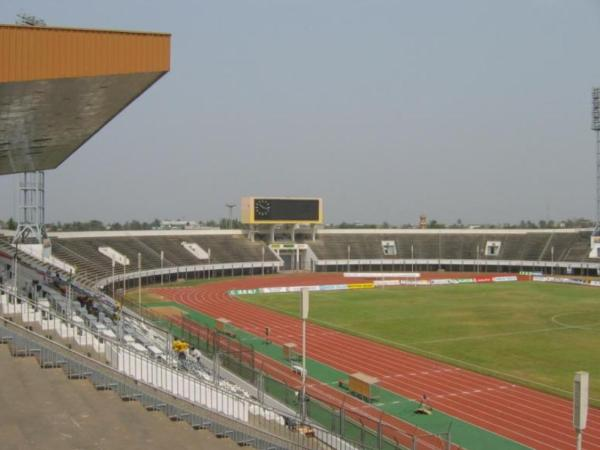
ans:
(361, 286)
(382, 283)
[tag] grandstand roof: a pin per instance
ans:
(59, 86)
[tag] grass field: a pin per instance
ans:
(536, 334)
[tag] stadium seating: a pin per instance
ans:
(521, 246)
(363, 247)
(88, 417)
(82, 252)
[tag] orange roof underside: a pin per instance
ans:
(42, 53)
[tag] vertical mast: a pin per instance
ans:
(596, 128)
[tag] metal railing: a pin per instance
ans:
(212, 270)
(23, 342)
(98, 355)
(339, 265)
(360, 429)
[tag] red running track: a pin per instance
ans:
(393, 428)
(533, 418)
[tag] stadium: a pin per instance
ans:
(283, 334)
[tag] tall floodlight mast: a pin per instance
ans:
(596, 128)
(230, 206)
(32, 201)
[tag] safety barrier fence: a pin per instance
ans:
(363, 430)
(566, 280)
(23, 342)
(98, 350)
(233, 354)
(475, 265)
(207, 271)
(479, 279)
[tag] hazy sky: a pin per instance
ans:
(469, 109)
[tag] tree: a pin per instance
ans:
(95, 225)
(435, 224)
(11, 224)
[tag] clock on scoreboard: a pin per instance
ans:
(257, 210)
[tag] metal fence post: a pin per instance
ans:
(362, 432)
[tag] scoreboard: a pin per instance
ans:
(271, 210)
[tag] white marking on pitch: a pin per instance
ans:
(487, 336)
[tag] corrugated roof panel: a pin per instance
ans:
(59, 86)
(30, 53)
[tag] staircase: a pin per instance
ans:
(23, 342)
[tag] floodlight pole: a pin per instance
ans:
(113, 279)
(304, 313)
(31, 208)
(597, 180)
(439, 250)
(597, 227)
(412, 257)
(16, 269)
(121, 309)
(140, 283)
(230, 206)
(349, 257)
(69, 296)
(596, 128)
(162, 260)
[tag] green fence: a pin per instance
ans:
(360, 430)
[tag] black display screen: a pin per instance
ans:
(286, 209)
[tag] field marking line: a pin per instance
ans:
(485, 336)
(374, 338)
(483, 371)
(567, 325)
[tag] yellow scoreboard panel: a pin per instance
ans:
(271, 210)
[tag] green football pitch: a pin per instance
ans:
(530, 333)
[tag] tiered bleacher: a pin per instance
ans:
(228, 253)
(88, 418)
(92, 265)
(365, 249)
(531, 246)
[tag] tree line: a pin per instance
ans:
(98, 225)
(523, 224)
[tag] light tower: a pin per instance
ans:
(596, 128)
(230, 221)
(32, 203)
(31, 209)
